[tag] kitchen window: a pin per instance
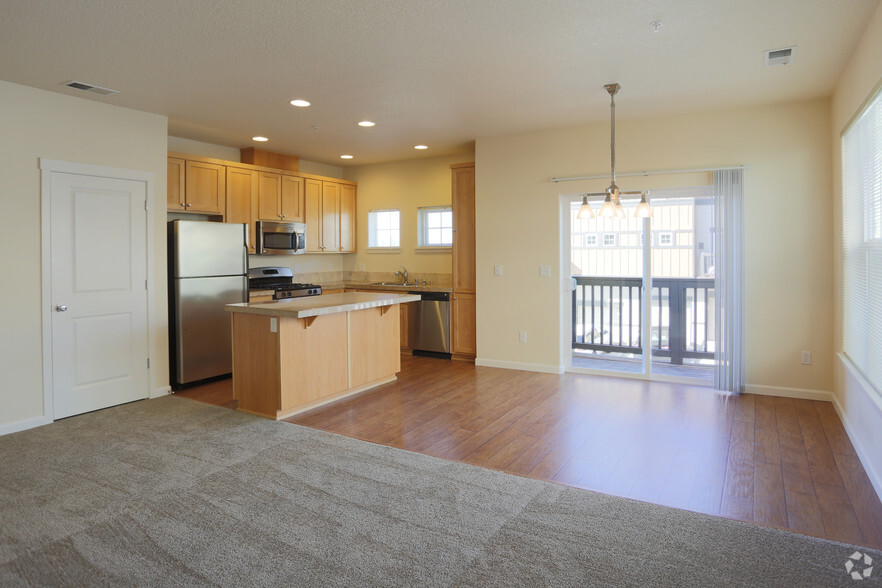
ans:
(435, 226)
(384, 229)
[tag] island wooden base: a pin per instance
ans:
(284, 365)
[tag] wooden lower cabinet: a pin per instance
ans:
(463, 343)
(405, 312)
(304, 363)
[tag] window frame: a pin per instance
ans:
(861, 246)
(373, 231)
(423, 213)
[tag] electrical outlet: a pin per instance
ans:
(294, 267)
(274, 324)
(360, 267)
(497, 270)
(544, 271)
(806, 357)
(522, 336)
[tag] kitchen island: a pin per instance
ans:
(293, 355)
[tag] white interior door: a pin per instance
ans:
(98, 292)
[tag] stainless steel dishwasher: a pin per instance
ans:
(430, 331)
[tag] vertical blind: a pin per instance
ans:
(729, 280)
(862, 242)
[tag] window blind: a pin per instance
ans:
(862, 242)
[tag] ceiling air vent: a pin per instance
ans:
(780, 56)
(90, 88)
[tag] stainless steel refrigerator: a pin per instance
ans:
(208, 266)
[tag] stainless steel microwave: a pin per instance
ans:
(280, 238)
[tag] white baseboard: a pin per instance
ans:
(802, 393)
(161, 391)
(875, 479)
(24, 425)
(517, 365)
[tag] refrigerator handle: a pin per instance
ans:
(245, 263)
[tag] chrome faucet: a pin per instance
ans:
(402, 275)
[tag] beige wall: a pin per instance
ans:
(788, 234)
(405, 185)
(859, 405)
(37, 124)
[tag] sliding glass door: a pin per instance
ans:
(615, 262)
(683, 295)
(607, 258)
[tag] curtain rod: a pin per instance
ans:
(646, 173)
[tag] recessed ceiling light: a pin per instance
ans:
(345, 157)
(300, 103)
(366, 123)
(420, 146)
(258, 138)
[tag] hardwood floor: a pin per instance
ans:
(776, 461)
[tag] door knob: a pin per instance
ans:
(61, 307)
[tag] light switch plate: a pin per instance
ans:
(497, 270)
(274, 324)
(544, 271)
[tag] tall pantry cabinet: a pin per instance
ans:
(462, 304)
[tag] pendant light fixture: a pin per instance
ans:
(585, 210)
(612, 201)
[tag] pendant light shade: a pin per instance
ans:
(585, 210)
(608, 210)
(643, 209)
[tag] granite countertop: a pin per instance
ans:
(308, 306)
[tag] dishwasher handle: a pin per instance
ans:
(434, 296)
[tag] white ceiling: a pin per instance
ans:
(438, 72)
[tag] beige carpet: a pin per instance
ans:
(174, 492)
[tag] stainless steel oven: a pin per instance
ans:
(275, 238)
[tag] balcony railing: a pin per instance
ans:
(607, 316)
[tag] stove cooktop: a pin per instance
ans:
(281, 281)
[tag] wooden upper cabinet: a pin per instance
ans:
(241, 201)
(330, 237)
(206, 187)
(347, 218)
(244, 193)
(463, 201)
(175, 193)
(312, 190)
(330, 216)
(292, 202)
(269, 196)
